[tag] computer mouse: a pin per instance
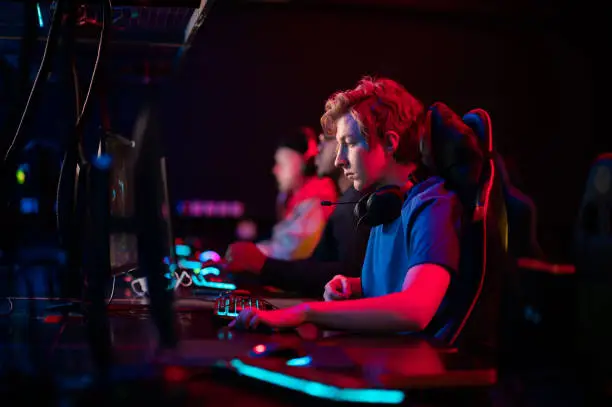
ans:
(277, 350)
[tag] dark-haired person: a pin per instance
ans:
(302, 218)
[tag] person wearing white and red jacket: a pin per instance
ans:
(341, 249)
(302, 218)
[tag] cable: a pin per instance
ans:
(28, 47)
(18, 86)
(107, 16)
(75, 154)
(183, 276)
(43, 71)
(23, 82)
(112, 294)
(69, 155)
(480, 214)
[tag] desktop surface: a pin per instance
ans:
(202, 364)
(319, 359)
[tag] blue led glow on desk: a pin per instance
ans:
(189, 264)
(303, 361)
(320, 390)
(200, 281)
(182, 250)
(208, 270)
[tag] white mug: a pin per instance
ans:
(140, 287)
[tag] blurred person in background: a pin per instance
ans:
(340, 251)
(301, 217)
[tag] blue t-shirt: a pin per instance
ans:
(427, 232)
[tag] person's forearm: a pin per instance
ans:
(393, 312)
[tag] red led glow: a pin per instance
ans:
(174, 374)
(259, 349)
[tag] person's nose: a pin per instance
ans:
(341, 160)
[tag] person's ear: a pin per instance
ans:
(391, 141)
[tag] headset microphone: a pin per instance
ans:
(330, 203)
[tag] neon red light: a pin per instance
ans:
(259, 349)
(174, 374)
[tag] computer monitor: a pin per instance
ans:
(152, 215)
(124, 154)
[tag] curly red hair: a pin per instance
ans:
(380, 106)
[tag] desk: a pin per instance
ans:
(190, 298)
(195, 303)
(337, 360)
(342, 367)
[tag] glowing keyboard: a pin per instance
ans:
(229, 305)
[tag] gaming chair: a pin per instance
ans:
(593, 254)
(536, 300)
(534, 304)
(522, 240)
(467, 167)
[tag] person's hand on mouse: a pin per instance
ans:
(251, 318)
(244, 256)
(338, 289)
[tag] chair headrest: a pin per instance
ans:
(480, 123)
(451, 150)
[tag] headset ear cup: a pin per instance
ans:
(361, 209)
(384, 205)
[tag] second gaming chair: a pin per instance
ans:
(593, 253)
(521, 211)
(536, 292)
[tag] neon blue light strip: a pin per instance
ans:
(189, 264)
(304, 361)
(320, 390)
(200, 281)
(40, 19)
(209, 270)
(182, 250)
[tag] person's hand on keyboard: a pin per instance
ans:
(251, 318)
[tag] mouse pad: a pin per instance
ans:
(205, 352)
(330, 358)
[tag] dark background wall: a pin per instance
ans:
(255, 71)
